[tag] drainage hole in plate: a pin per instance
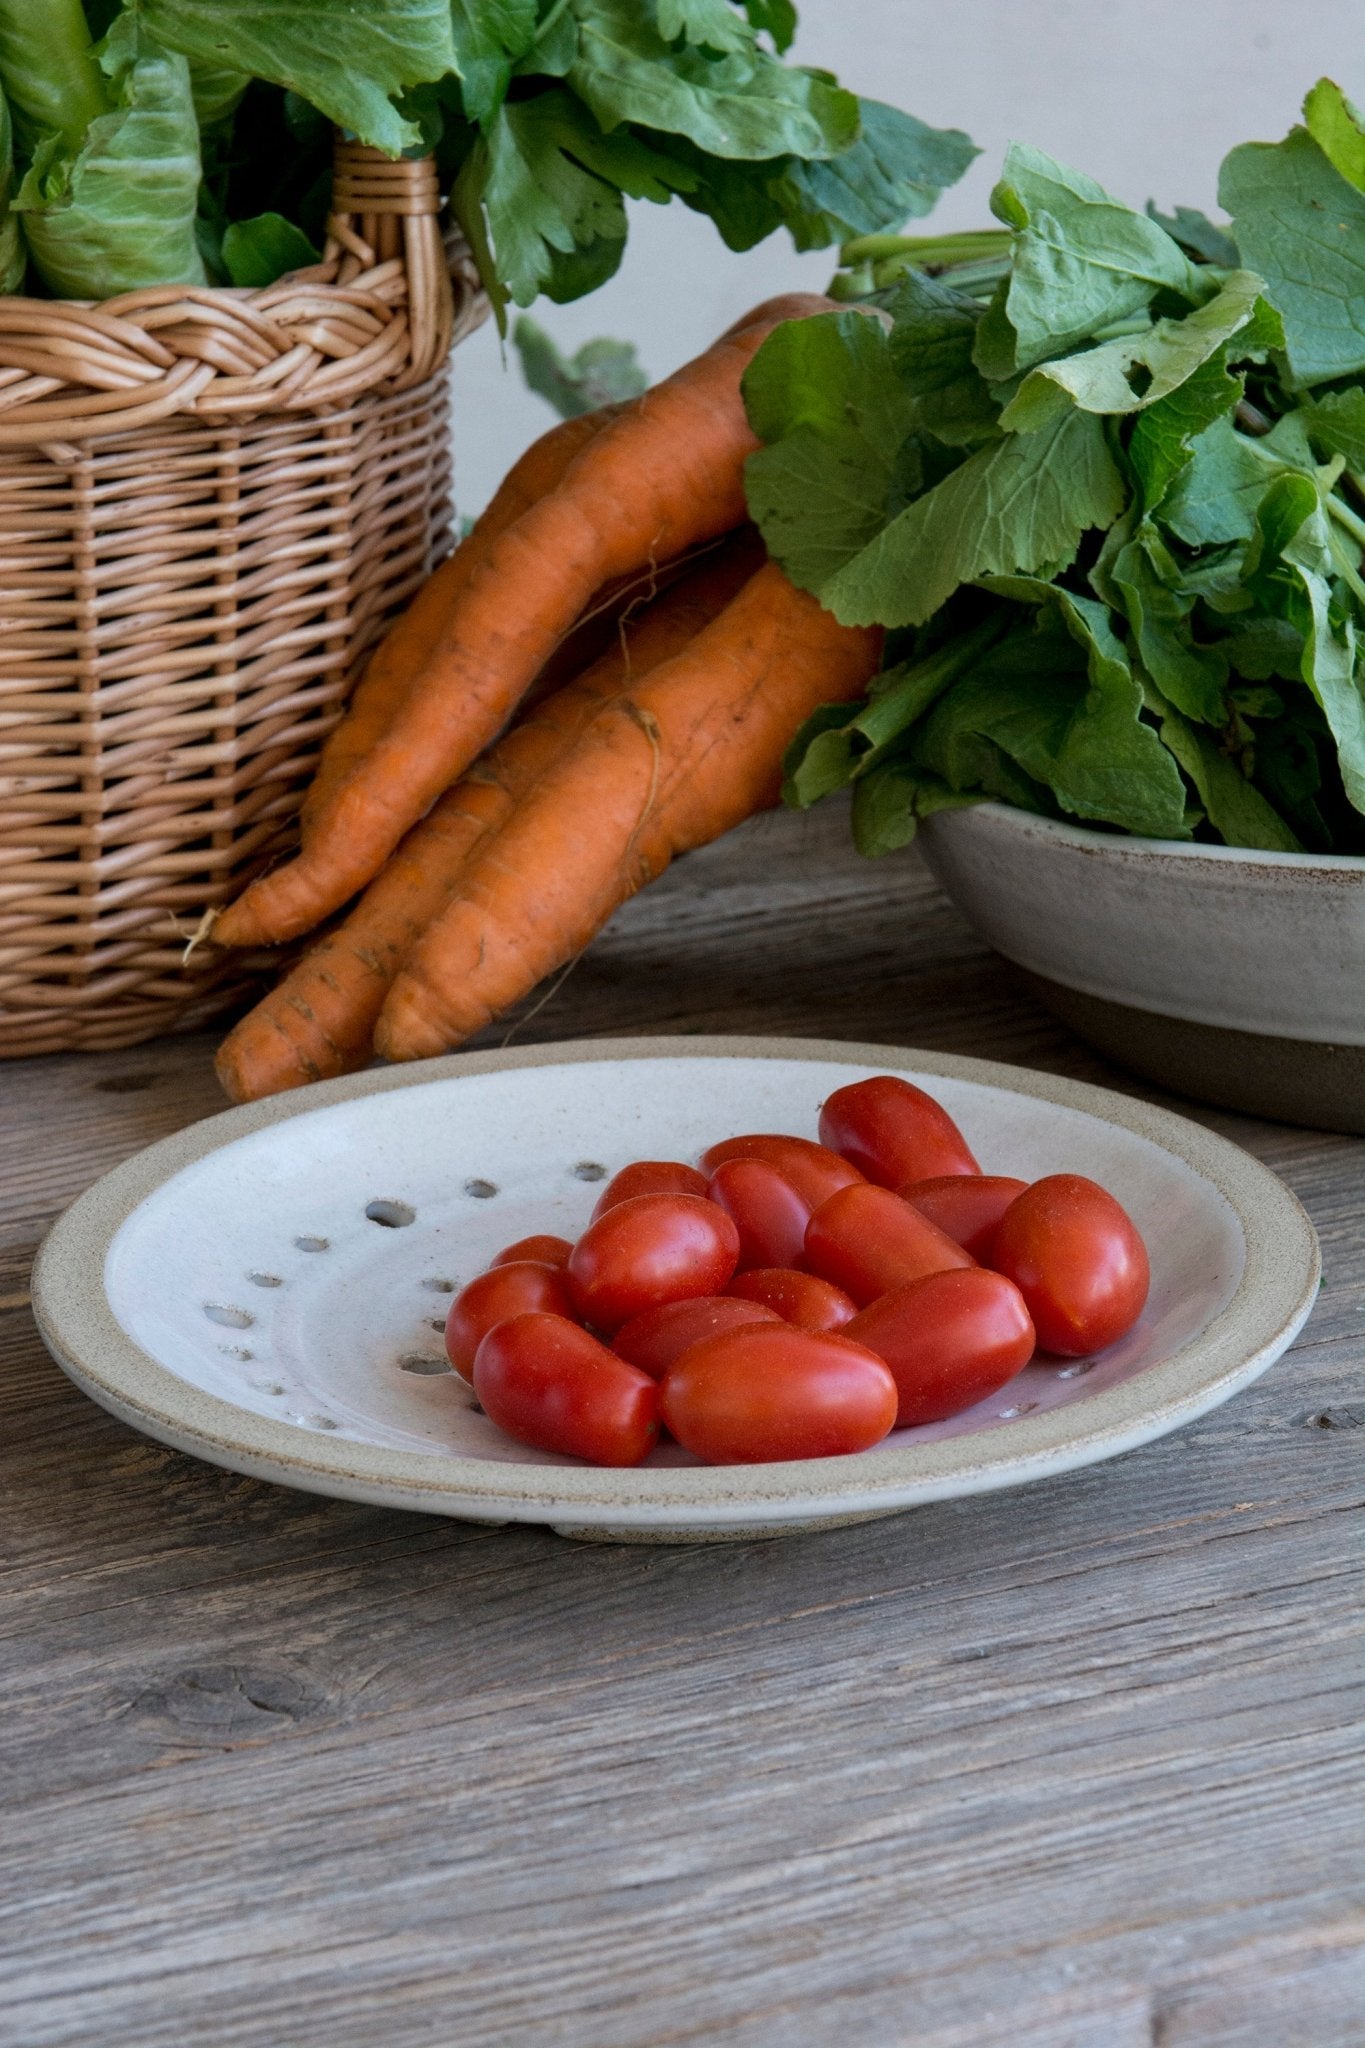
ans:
(312, 1244)
(236, 1351)
(436, 1285)
(481, 1190)
(588, 1169)
(437, 1323)
(425, 1367)
(226, 1317)
(1073, 1372)
(392, 1215)
(322, 1422)
(269, 1386)
(265, 1279)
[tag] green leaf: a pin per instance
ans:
(600, 373)
(1135, 371)
(1302, 227)
(932, 338)
(1061, 703)
(1198, 235)
(554, 186)
(1192, 678)
(774, 18)
(710, 24)
(349, 61)
(1164, 434)
(52, 79)
(1337, 421)
(1080, 260)
(1215, 496)
(120, 214)
(1235, 807)
(1019, 504)
(1331, 666)
(843, 742)
(744, 106)
(889, 804)
(256, 252)
(1338, 128)
(1262, 648)
(217, 91)
(490, 36)
(823, 394)
(896, 169)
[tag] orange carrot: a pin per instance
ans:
(319, 1020)
(397, 660)
(691, 750)
(667, 473)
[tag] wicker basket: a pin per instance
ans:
(210, 502)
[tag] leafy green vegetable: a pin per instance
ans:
(1084, 484)
(1338, 128)
(120, 212)
(52, 79)
(600, 373)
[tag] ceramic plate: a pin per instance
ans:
(267, 1289)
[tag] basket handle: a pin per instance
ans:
(388, 210)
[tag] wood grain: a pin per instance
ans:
(1073, 1767)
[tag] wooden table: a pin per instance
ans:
(1073, 1767)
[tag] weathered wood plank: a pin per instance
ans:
(1075, 1767)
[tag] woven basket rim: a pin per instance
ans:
(379, 311)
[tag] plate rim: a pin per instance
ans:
(1274, 1296)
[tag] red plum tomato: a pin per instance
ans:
(867, 1241)
(1077, 1259)
(648, 1250)
(653, 1340)
(813, 1170)
(771, 1392)
(767, 1211)
(967, 1207)
(800, 1298)
(893, 1132)
(551, 1384)
(541, 1251)
(649, 1177)
(950, 1340)
(501, 1292)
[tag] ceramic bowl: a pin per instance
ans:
(268, 1289)
(1232, 976)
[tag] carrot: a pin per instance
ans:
(667, 473)
(319, 1020)
(397, 659)
(691, 750)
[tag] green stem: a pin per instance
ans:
(543, 27)
(50, 75)
(962, 248)
(1348, 569)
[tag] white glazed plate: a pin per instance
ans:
(267, 1289)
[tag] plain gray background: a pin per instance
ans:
(1146, 97)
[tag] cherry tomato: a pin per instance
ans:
(653, 1340)
(648, 1250)
(551, 1384)
(967, 1207)
(893, 1132)
(867, 1241)
(541, 1251)
(771, 1392)
(799, 1298)
(950, 1340)
(650, 1177)
(768, 1213)
(1078, 1261)
(813, 1171)
(501, 1292)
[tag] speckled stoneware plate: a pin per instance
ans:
(267, 1290)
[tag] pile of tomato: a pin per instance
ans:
(787, 1299)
